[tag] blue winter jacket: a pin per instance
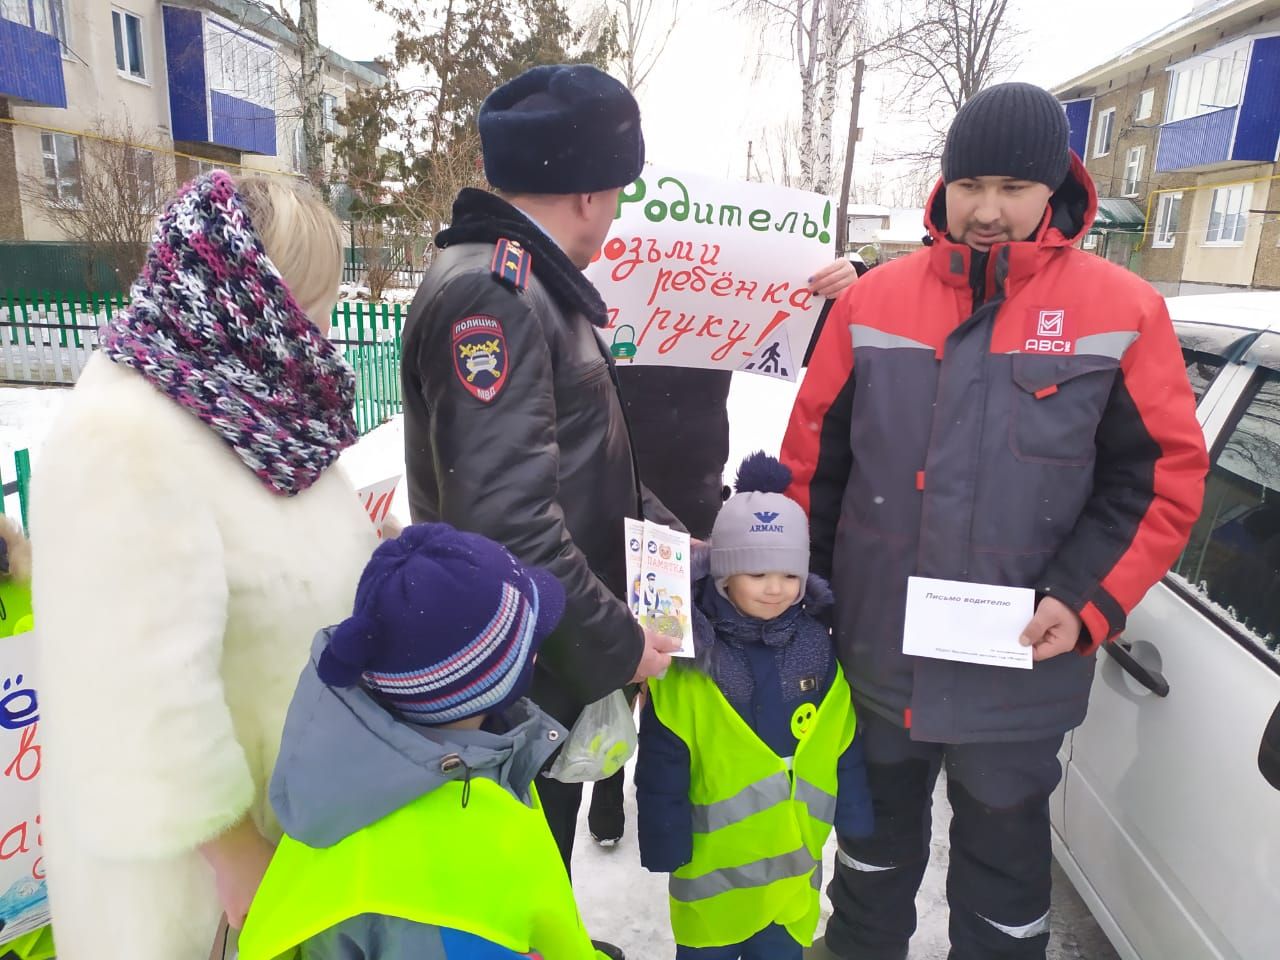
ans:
(765, 669)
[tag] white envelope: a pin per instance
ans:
(968, 622)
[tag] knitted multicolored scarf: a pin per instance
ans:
(212, 324)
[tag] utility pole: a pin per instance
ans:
(312, 88)
(749, 159)
(842, 223)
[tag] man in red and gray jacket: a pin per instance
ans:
(998, 408)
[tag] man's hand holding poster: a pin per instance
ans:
(708, 273)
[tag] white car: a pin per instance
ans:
(1168, 816)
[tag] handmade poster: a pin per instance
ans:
(376, 499)
(699, 272)
(665, 593)
(24, 904)
(634, 531)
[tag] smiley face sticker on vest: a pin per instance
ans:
(802, 720)
(1047, 331)
(480, 356)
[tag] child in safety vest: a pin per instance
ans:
(405, 778)
(748, 753)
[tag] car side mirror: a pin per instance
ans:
(1269, 751)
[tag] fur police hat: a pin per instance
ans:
(561, 129)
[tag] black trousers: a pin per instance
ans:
(998, 882)
(560, 803)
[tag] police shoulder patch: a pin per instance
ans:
(511, 264)
(480, 356)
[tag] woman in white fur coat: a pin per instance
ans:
(192, 533)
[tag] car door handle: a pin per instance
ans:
(1153, 680)
(1269, 752)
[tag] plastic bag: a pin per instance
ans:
(603, 739)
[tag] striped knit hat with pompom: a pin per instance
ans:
(445, 626)
(760, 529)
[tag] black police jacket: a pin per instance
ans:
(514, 429)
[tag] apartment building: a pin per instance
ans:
(1181, 132)
(196, 84)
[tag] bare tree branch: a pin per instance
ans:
(957, 48)
(106, 192)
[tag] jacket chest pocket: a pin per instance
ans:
(1057, 403)
(582, 392)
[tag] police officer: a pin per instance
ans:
(513, 426)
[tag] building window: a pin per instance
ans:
(140, 175)
(47, 16)
(1106, 127)
(240, 66)
(329, 108)
(16, 11)
(1229, 215)
(61, 154)
(1133, 171)
(1090, 242)
(1167, 215)
(1209, 83)
(127, 28)
(1146, 101)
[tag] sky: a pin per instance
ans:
(706, 100)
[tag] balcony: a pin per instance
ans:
(1197, 141)
(31, 66)
(1245, 133)
(221, 83)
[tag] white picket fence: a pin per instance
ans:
(40, 344)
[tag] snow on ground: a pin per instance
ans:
(621, 902)
(758, 410)
(25, 416)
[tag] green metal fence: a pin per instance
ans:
(48, 337)
(369, 336)
(58, 265)
(18, 486)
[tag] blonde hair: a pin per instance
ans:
(301, 236)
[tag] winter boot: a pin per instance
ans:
(609, 950)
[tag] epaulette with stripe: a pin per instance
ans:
(511, 264)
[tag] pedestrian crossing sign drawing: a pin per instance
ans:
(773, 359)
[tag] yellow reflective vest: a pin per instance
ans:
(758, 826)
(432, 862)
(15, 607)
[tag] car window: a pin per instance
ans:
(1201, 369)
(1233, 557)
(1205, 347)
